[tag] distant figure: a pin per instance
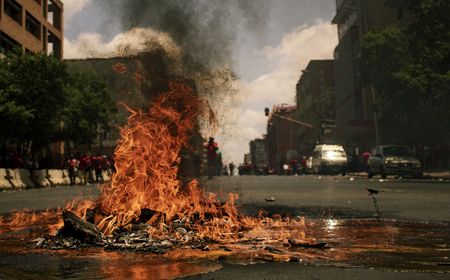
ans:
(98, 168)
(303, 164)
(293, 165)
(286, 168)
(85, 166)
(211, 155)
(231, 167)
(366, 156)
(219, 164)
(73, 169)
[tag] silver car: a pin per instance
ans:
(329, 159)
(393, 160)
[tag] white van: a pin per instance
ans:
(329, 159)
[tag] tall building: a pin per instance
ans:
(281, 135)
(316, 104)
(356, 121)
(258, 152)
(33, 25)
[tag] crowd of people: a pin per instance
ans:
(89, 169)
(292, 167)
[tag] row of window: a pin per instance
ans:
(50, 11)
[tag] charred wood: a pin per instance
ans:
(79, 229)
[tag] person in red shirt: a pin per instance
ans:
(98, 168)
(85, 166)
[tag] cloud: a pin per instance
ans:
(71, 7)
(88, 45)
(277, 86)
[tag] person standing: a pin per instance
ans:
(211, 156)
(231, 167)
(73, 169)
(98, 168)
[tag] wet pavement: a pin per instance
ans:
(357, 243)
(360, 246)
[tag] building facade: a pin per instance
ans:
(258, 153)
(356, 120)
(316, 105)
(281, 136)
(33, 25)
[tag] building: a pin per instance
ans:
(281, 135)
(356, 121)
(247, 158)
(258, 153)
(136, 81)
(33, 25)
(316, 105)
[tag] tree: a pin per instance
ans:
(42, 102)
(31, 99)
(409, 68)
(89, 107)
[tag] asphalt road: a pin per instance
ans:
(341, 197)
(314, 196)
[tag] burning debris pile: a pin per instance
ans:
(145, 200)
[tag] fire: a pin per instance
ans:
(146, 188)
(147, 160)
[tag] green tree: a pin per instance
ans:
(31, 99)
(409, 68)
(89, 107)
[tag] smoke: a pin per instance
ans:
(204, 29)
(127, 43)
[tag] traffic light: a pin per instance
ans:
(266, 111)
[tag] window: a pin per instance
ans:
(33, 26)
(13, 10)
(7, 43)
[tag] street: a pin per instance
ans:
(342, 196)
(310, 195)
(314, 197)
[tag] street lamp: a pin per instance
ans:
(267, 113)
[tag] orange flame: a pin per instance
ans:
(147, 160)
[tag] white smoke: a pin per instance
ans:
(88, 45)
(71, 7)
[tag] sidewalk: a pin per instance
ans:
(434, 175)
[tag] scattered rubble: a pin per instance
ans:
(303, 244)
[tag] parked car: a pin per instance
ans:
(328, 159)
(393, 160)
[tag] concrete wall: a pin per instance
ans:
(11, 179)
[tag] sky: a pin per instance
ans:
(271, 41)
